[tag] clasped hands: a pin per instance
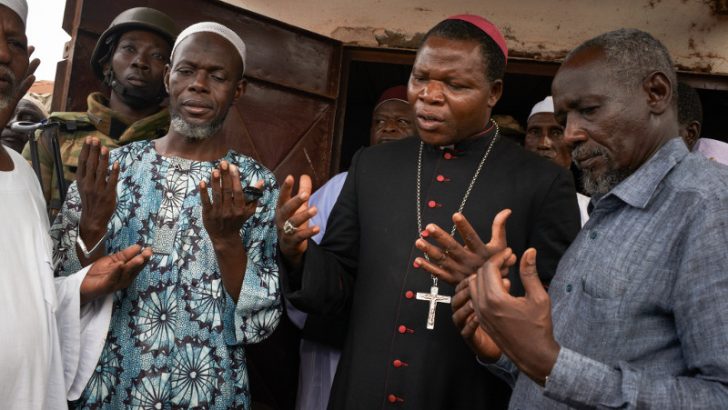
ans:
(491, 321)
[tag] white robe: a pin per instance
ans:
(49, 343)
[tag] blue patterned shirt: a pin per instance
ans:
(176, 337)
(640, 299)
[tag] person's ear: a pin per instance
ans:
(240, 89)
(692, 132)
(658, 88)
(167, 70)
(496, 91)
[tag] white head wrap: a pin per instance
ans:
(212, 27)
(20, 7)
(547, 105)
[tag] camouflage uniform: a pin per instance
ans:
(111, 128)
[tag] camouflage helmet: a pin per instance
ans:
(137, 18)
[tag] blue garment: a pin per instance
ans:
(176, 337)
(639, 300)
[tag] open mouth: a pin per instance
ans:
(427, 122)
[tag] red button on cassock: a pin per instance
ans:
(447, 155)
(440, 178)
(402, 329)
(409, 294)
(432, 204)
(392, 398)
(398, 363)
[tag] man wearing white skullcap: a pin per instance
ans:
(51, 329)
(177, 335)
(545, 137)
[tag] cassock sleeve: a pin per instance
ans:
(81, 331)
(556, 224)
(325, 282)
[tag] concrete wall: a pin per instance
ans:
(695, 31)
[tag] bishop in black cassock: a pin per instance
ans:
(365, 266)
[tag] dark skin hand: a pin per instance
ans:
(294, 208)
(466, 320)
(6, 164)
(453, 262)
(114, 272)
(97, 190)
(223, 218)
(520, 326)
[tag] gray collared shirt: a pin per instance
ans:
(640, 299)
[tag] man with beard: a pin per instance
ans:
(129, 58)
(545, 137)
(635, 316)
(375, 261)
(51, 329)
(177, 333)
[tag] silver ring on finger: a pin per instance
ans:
(288, 228)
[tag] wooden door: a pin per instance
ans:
(286, 118)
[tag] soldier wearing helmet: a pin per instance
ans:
(129, 58)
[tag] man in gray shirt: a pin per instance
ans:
(637, 313)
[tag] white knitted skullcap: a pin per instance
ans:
(547, 105)
(20, 7)
(212, 27)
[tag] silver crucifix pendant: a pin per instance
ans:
(434, 298)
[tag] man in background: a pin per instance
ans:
(545, 137)
(129, 58)
(31, 108)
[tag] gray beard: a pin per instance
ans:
(195, 132)
(6, 99)
(599, 184)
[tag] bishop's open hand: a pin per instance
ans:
(292, 220)
(97, 191)
(224, 216)
(453, 262)
(520, 326)
(113, 272)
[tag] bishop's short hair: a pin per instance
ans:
(495, 61)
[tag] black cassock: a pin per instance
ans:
(364, 266)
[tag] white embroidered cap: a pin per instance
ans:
(212, 27)
(546, 105)
(20, 7)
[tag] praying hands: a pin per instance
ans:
(223, 218)
(292, 220)
(452, 262)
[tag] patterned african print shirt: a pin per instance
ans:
(176, 337)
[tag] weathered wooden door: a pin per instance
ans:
(286, 118)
